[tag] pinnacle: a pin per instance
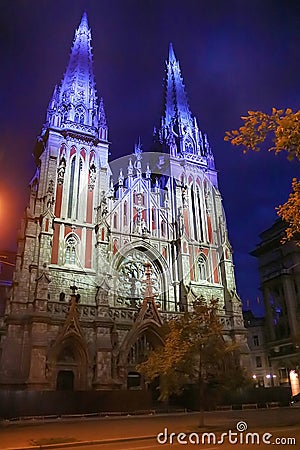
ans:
(84, 22)
(172, 57)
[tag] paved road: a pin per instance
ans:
(287, 438)
(104, 429)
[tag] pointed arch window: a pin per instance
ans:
(71, 252)
(163, 228)
(65, 115)
(125, 213)
(76, 118)
(81, 118)
(194, 215)
(153, 218)
(202, 266)
(78, 185)
(200, 214)
(189, 145)
(71, 187)
(139, 351)
(115, 222)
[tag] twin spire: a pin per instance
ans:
(75, 106)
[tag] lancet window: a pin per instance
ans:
(79, 115)
(200, 214)
(115, 221)
(202, 266)
(125, 213)
(194, 213)
(71, 187)
(163, 228)
(78, 186)
(75, 187)
(139, 351)
(71, 253)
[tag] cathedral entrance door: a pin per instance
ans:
(65, 380)
(70, 366)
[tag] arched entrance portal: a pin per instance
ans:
(147, 341)
(70, 364)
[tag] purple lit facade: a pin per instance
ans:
(96, 224)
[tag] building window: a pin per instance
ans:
(163, 228)
(71, 250)
(200, 213)
(255, 341)
(134, 380)
(71, 187)
(202, 266)
(283, 374)
(78, 186)
(115, 223)
(125, 214)
(153, 218)
(194, 213)
(258, 361)
(139, 351)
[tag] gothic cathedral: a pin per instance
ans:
(108, 251)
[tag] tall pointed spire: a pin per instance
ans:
(79, 76)
(176, 107)
(179, 133)
(75, 100)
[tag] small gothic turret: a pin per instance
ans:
(103, 130)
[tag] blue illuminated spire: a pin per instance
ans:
(176, 107)
(179, 133)
(74, 102)
(78, 80)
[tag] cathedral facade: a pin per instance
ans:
(108, 251)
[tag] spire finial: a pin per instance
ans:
(172, 57)
(84, 20)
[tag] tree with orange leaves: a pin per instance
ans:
(284, 127)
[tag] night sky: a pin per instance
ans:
(234, 55)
